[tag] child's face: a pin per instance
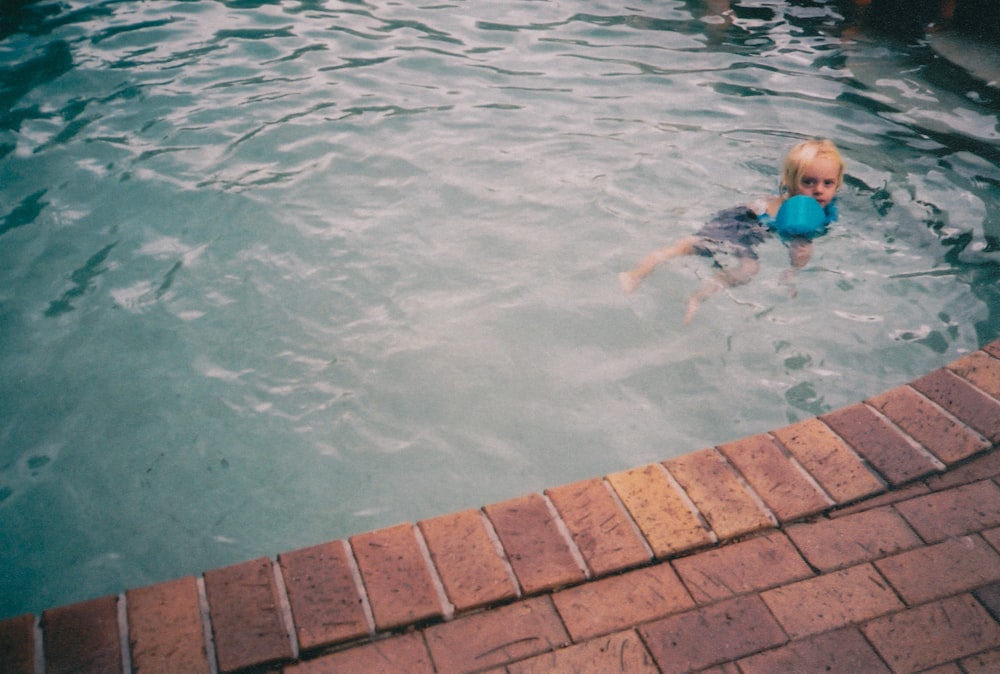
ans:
(819, 179)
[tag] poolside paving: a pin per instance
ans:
(864, 540)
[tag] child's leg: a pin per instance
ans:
(630, 280)
(727, 278)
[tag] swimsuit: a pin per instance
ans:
(736, 231)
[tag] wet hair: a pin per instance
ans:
(804, 154)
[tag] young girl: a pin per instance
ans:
(813, 169)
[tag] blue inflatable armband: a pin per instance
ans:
(800, 215)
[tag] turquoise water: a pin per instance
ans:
(274, 274)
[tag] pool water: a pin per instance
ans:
(276, 273)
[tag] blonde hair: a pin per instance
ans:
(804, 154)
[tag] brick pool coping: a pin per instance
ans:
(864, 540)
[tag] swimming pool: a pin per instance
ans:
(277, 273)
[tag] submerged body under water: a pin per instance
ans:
(274, 274)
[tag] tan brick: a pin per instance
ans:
(537, 550)
(981, 369)
(622, 652)
(719, 495)
(396, 578)
(467, 560)
(756, 564)
(82, 637)
(924, 421)
(246, 616)
(953, 512)
(831, 601)
(884, 447)
(663, 515)
(933, 634)
(405, 653)
(711, 635)
(617, 602)
(17, 645)
(843, 651)
(603, 532)
(956, 565)
(970, 405)
(165, 629)
(846, 541)
(324, 598)
(831, 462)
(506, 634)
(776, 478)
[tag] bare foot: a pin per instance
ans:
(691, 308)
(629, 282)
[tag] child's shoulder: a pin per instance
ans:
(768, 206)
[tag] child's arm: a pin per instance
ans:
(799, 252)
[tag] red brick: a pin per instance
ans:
(981, 369)
(396, 578)
(844, 651)
(956, 565)
(17, 645)
(712, 635)
(831, 461)
(970, 405)
(664, 516)
(953, 512)
(481, 640)
(712, 484)
(536, 548)
(980, 468)
(949, 668)
(622, 652)
(895, 496)
(993, 348)
(984, 663)
(926, 423)
(617, 602)
(933, 634)
(324, 598)
(846, 541)
(471, 568)
(165, 629)
(749, 566)
(406, 653)
(992, 537)
(246, 616)
(724, 668)
(83, 637)
(831, 601)
(989, 595)
(603, 532)
(777, 478)
(871, 436)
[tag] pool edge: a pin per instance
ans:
(548, 579)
